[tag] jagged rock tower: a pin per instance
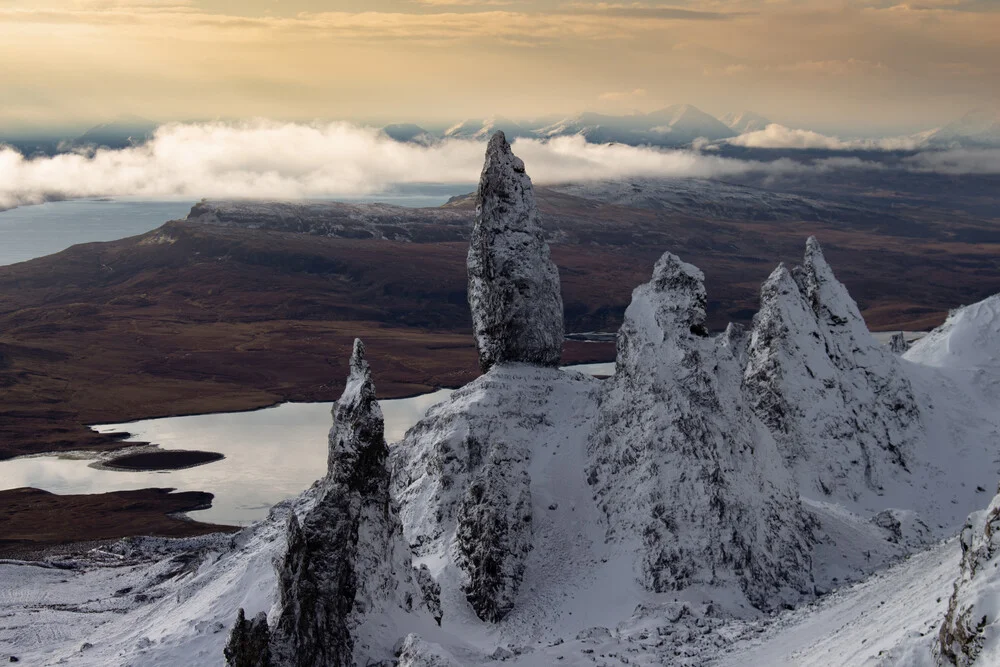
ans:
(843, 413)
(347, 571)
(514, 294)
(461, 474)
(681, 467)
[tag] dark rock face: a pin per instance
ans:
(898, 343)
(249, 642)
(514, 293)
(840, 408)
(431, 591)
(970, 614)
(346, 560)
(678, 462)
(494, 534)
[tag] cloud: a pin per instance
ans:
(643, 10)
(779, 136)
(463, 3)
(266, 159)
(957, 161)
(273, 160)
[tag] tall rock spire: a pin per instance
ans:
(841, 410)
(514, 293)
(347, 559)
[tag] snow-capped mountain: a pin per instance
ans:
(483, 129)
(409, 132)
(979, 127)
(540, 516)
(744, 121)
(675, 125)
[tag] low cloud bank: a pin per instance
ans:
(779, 136)
(265, 159)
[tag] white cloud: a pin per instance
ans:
(779, 136)
(957, 161)
(267, 159)
(272, 160)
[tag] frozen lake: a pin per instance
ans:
(270, 455)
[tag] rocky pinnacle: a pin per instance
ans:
(514, 293)
(347, 558)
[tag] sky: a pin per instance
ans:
(851, 67)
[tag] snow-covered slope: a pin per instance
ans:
(676, 125)
(980, 127)
(715, 199)
(745, 121)
(484, 129)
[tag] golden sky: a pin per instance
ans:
(841, 65)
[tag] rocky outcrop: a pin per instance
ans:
(249, 642)
(514, 294)
(347, 570)
(494, 533)
(461, 475)
(415, 652)
(841, 410)
(680, 465)
(973, 614)
(898, 343)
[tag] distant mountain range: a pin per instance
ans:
(674, 126)
(125, 130)
(981, 126)
(679, 125)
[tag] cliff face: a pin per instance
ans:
(973, 609)
(843, 413)
(514, 294)
(678, 463)
(347, 570)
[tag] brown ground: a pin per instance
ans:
(33, 521)
(193, 318)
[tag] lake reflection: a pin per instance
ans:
(271, 455)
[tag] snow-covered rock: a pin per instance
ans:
(249, 642)
(967, 340)
(347, 571)
(470, 505)
(898, 344)
(839, 405)
(415, 652)
(514, 295)
(972, 623)
(680, 466)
